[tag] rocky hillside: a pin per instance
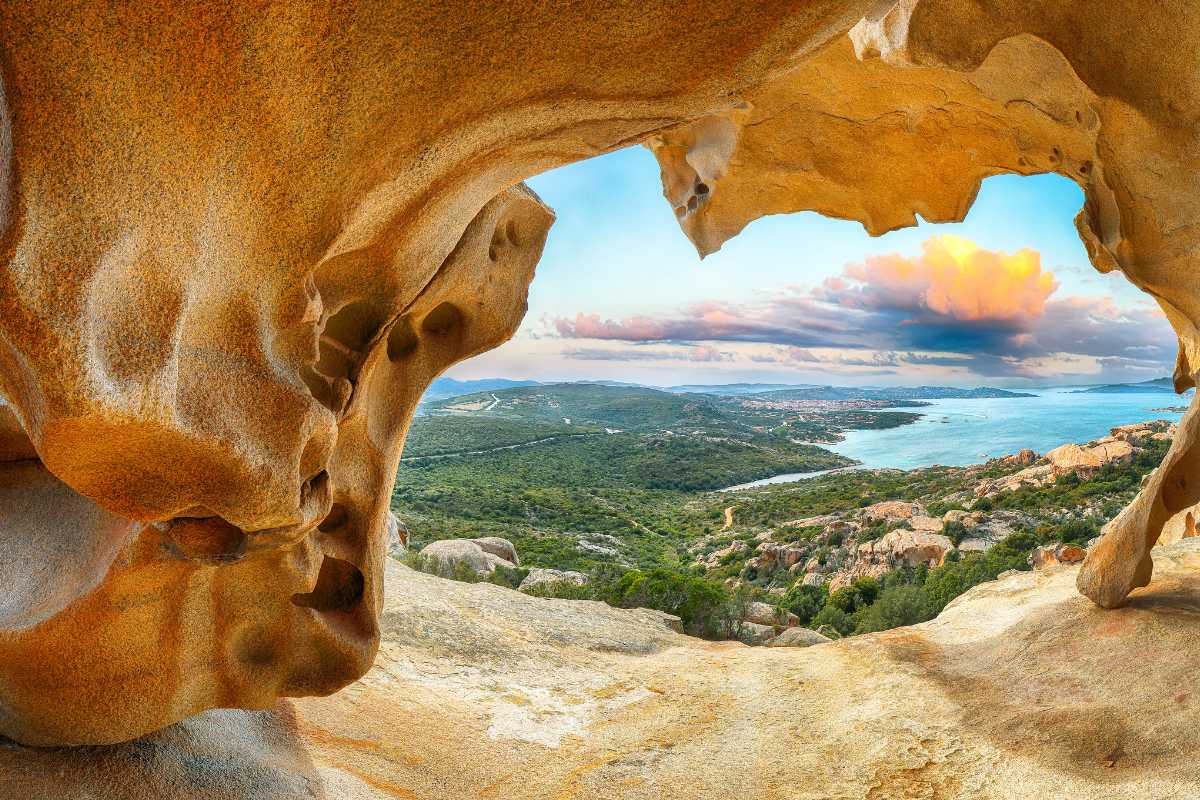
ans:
(970, 510)
(1021, 688)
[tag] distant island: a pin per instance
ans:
(444, 388)
(890, 393)
(1157, 386)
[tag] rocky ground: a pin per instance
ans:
(1021, 688)
(835, 549)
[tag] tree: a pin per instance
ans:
(805, 601)
(835, 618)
(895, 606)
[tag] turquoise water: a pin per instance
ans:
(960, 432)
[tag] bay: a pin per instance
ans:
(961, 432)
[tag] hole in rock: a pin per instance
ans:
(402, 341)
(317, 483)
(334, 520)
(513, 232)
(442, 320)
(994, 334)
(339, 587)
(352, 326)
(209, 540)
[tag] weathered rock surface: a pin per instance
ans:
(501, 548)
(1021, 688)
(1053, 555)
(947, 92)
(549, 577)
(1088, 460)
(767, 614)
(798, 637)
(449, 557)
(892, 511)
(235, 246)
(898, 547)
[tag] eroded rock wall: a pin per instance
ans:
(236, 242)
(1021, 688)
(921, 101)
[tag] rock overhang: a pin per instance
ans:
(222, 298)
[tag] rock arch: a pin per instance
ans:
(236, 244)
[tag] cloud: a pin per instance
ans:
(952, 278)
(955, 305)
(690, 352)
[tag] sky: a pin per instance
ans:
(1005, 298)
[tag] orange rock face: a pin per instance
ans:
(237, 243)
(924, 99)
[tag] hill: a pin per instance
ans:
(1156, 386)
(580, 473)
(888, 393)
(622, 407)
(729, 388)
(449, 387)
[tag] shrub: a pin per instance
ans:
(702, 606)
(561, 590)
(509, 577)
(982, 504)
(835, 618)
(895, 606)
(1077, 531)
(955, 532)
(805, 601)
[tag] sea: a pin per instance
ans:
(955, 433)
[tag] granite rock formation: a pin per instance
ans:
(236, 244)
(923, 99)
(1021, 688)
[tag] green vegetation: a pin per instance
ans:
(430, 436)
(616, 482)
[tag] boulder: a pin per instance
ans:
(1035, 476)
(754, 634)
(926, 524)
(449, 558)
(968, 519)
(397, 536)
(543, 577)
(912, 547)
(798, 637)
(898, 547)
(772, 556)
(736, 547)
(1053, 555)
(1021, 458)
(767, 614)
(502, 548)
(1085, 461)
(892, 511)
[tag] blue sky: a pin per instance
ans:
(620, 293)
